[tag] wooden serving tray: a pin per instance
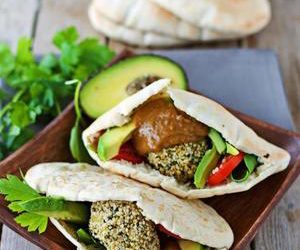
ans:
(245, 212)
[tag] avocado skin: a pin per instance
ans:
(108, 88)
(110, 142)
(190, 245)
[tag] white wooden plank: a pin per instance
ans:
(282, 228)
(12, 241)
(16, 19)
(55, 15)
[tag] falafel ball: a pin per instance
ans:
(120, 225)
(179, 161)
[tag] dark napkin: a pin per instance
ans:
(244, 79)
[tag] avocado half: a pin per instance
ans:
(124, 78)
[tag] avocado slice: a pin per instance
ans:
(190, 245)
(117, 82)
(206, 165)
(60, 209)
(230, 149)
(110, 142)
(217, 140)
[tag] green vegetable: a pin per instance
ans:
(16, 191)
(110, 142)
(217, 140)
(84, 236)
(230, 149)
(39, 86)
(242, 172)
(57, 208)
(88, 240)
(77, 148)
(35, 209)
(206, 165)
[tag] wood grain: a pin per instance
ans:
(10, 240)
(245, 216)
(12, 24)
(55, 15)
(282, 229)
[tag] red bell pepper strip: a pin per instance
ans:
(227, 165)
(167, 232)
(128, 153)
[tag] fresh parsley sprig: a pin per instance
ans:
(16, 191)
(38, 85)
(34, 209)
(77, 148)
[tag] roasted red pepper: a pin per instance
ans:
(167, 232)
(227, 165)
(128, 153)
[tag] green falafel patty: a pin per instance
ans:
(121, 225)
(179, 161)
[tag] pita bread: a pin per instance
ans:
(190, 219)
(272, 158)
(242, 17)
(147, 16)
(129, 35)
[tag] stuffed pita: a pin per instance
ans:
(124, 214)
(241, 17)
(182, 142)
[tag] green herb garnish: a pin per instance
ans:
(34, 209)
(38, 85)
(77, 148)
(17, 191)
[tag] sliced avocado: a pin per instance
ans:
(206, 165)
(110, 142)
(217, 140)
(60, 209)
(230, 149)
(117, 82)
(190, 245)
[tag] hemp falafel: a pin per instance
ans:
(120, 225)
(179, 161)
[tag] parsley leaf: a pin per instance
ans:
(33, 221)
(7, 60)
(40, 92)
(16, 190)
(24, 54)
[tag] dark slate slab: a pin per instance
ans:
(246, 80)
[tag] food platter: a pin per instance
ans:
(245, 211)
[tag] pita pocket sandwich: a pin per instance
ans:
(182, 142)
(97, 209)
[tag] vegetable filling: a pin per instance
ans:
(176, 145)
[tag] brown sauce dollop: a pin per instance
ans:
(160, 125)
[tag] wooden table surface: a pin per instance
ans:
(41, 19)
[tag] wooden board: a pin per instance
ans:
(244, 211)
(283, 227)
